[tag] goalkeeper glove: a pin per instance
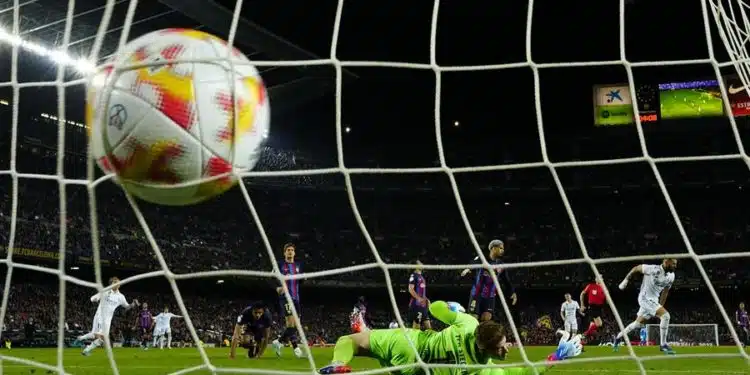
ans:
(567, 348)
(456, 307)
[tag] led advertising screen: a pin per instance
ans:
(613, 104)
(739, 99)
(690, 99)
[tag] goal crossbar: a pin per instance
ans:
(709, 327)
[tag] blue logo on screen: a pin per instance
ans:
(613, 95)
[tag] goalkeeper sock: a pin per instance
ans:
(630, 327)
(344, 350)
(664, 328)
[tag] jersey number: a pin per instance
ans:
(288, 308)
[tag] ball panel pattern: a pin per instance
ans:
(182, 131)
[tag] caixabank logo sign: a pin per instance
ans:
(613, 105)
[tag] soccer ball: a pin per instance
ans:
(168, 130)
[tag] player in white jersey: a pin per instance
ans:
(568, 311)
(163, 328)
(657, 280)
(108, 301)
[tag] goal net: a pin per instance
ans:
(728, 17)
(685, 334)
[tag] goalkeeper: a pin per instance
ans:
(464, 342)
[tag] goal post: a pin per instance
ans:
(686, 334)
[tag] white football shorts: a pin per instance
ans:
(160, 331)
(571, 324)
(648, 308)
(101, 326)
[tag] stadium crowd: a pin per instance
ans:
(618, 212)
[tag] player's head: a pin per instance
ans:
(145, 306)
(418, 267)
(669, 264)
(362, 299)
(742, 305)
(115, 282)
(258, 311)
(568, 297)
(497, 248)
(166, 309)
(289, 252)
(491, 339)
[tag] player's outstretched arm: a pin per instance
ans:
(235, 340)
(633, 271)
(264, 343)
(449, 313)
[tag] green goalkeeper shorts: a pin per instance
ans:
(391, 348)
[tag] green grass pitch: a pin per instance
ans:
(690, 103)
(154, 362)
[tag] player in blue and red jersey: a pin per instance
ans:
(743, 323)
(483, 291)
(143, 323)
(418, 304)
(289, 268)
(253, 330)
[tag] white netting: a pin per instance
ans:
(731, 41)
(686, 334)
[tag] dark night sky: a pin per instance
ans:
(391, 111)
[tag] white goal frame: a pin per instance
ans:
(91, 183)
(672, 326)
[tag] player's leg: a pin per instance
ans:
(566, 326)
(290, 332)
(101, 331)
(169, 339)
(473, 307)
(595, 312)
(426, 322)
(389, 346)
(573, 327)
(357, 344)
(95, 326)
(643, 316)
(415, 317)
(664, 318)
(144, 338)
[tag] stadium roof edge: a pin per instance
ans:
(217, 17)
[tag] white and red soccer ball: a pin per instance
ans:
(168, 129)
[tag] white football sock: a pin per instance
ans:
(94, 344)
(664, 328)
(628, 329)
(169, 339)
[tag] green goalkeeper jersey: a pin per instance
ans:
(454, 345)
